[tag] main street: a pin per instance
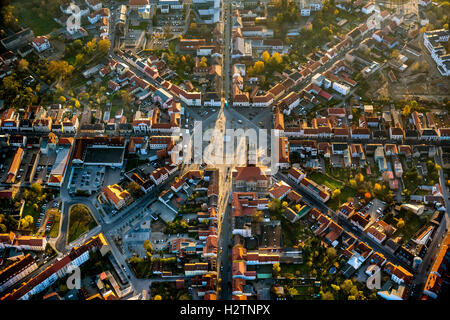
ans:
(427, 261)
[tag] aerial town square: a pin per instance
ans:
(256, 150)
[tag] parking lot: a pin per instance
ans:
(262, 117)
(26, 166)
(44, 167)
(375, 209)
(45, 220)
(88, 179)
(174, 21)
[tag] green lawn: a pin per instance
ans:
(142, 268)
(79, 224)
(142, 26)
(346, 192)
(29, 210)
(413, 223)
(291, 233)
(324, 179)
(54, 230)
(303, 269)
(41, 24)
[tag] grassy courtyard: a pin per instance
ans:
(40, 21)
(80, 221)
(413, 223)
(346, 193)
(324, 179)
(54, 231)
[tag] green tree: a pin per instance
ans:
(79, 214)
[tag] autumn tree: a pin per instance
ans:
(23, 65)
(400, 223)
(275, 205)
(266, 56)
(359, 178)
(26, 222)
(104, 45)
(59, 69)
(336, 193)
(293, 291)
(377, 188)
(258, 216)
(79, 59)
(203, 62)
(148, 248)
(36, 188)
(276, 268)
(258, 67)
(331, 253)
(276, 59)
(346, 286)
(91, 46)
(395, 53)
(327, 296)
(134, 189)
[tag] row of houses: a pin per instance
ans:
(356, 252)
(370, 126)
(59, 269)
(12, 240)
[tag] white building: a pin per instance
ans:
(435, 41)
(368, 8)
(41, 43)
(341, 88)
(94, 4)
(209, 10)
(308, 6)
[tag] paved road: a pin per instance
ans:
(434, 247)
